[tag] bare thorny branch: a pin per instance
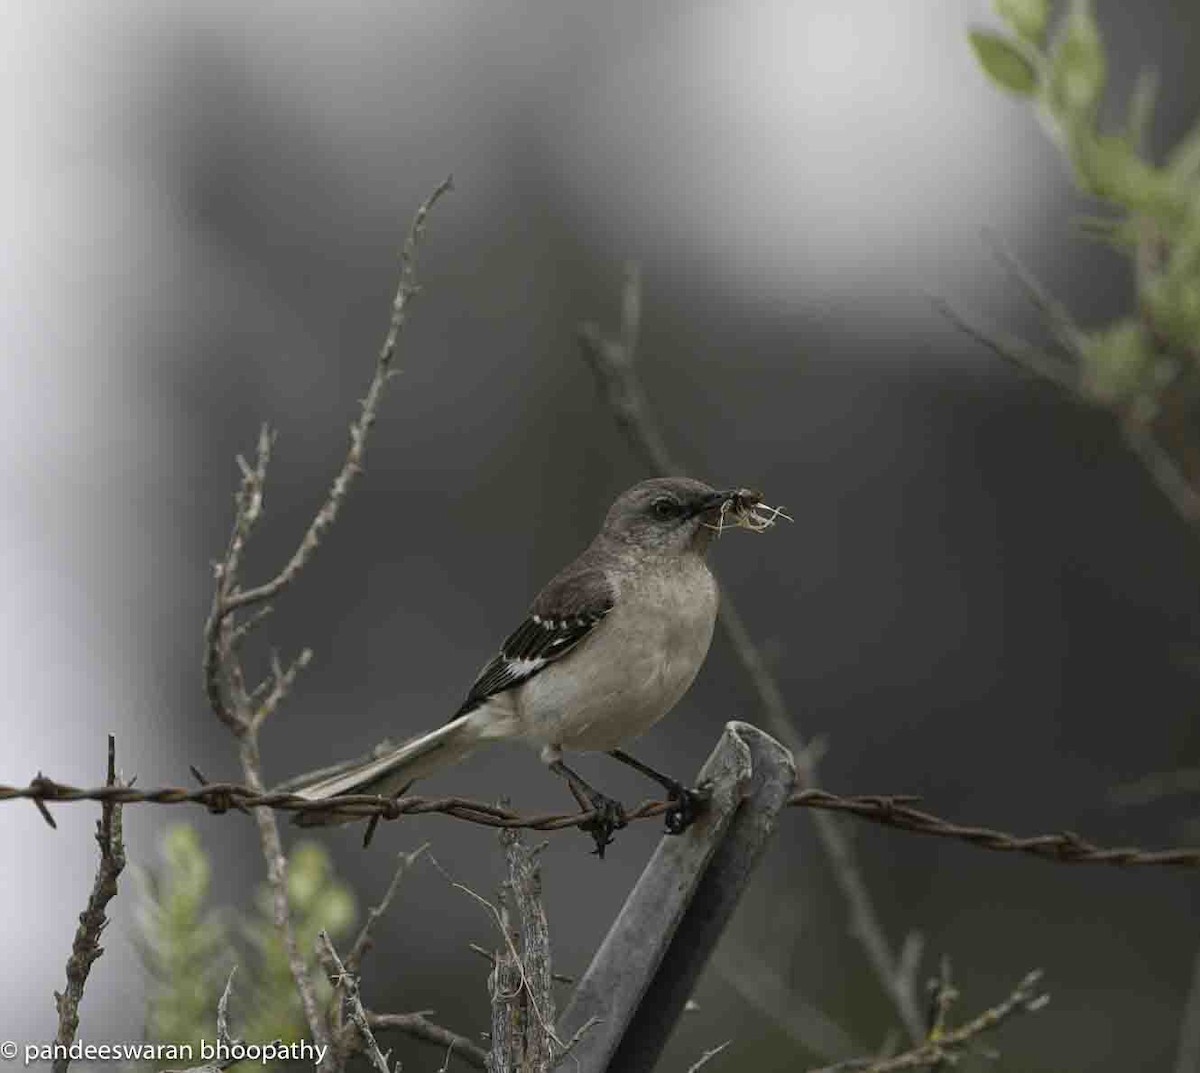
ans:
(523, 1036)
(346, 986)
(532, 1010)
(353, 1025)
(244, 710)
(223, 675)
(272, 848)
(230, 597)
(92, 921)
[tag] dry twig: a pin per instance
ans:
(1168, 475)
(359, 431)
(1054, 313)
(708, 1056)
(614, 362)
(226, 1046)
(272, 849)
(404, 861)
(944, 1046)
(524, 888)
(418, 1026)
(490, 957)
(92, 921)
(241, 708)
(346, 984)
(1064, 367)
(1187, 1059)
(520, 983)
(506, 987)
(1025, 356)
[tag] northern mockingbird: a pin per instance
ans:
(607, 649)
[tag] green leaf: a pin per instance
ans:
(185, 946)
(1116, 362)
(1027, 17)
(1079, 68)
(188, 947)
(1004, 63)
(1108, 167)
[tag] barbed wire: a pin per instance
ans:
(895, 811)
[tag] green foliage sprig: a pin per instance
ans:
(1057, 61)
(188, 946)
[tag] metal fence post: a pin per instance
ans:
(648, 964)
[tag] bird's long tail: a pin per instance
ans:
(394, 771)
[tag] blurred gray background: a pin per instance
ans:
(982, 601)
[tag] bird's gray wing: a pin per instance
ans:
(563, 614)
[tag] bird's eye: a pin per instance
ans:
(664, 508)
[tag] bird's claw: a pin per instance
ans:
(609, 817)
(686, 806)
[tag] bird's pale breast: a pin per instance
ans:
(632, 669)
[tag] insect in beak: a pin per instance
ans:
(743, 508)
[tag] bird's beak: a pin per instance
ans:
(718, 500)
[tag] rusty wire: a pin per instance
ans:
(894, 811)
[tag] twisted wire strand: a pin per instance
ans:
(895, 811)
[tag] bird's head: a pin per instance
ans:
(674, 515)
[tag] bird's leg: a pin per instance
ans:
(686, 804)
(610, 814)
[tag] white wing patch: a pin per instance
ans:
(537, 643)
(524, 668)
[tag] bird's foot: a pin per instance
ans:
(609, 817)
(686, 806)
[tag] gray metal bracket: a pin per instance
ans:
(648, 964)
